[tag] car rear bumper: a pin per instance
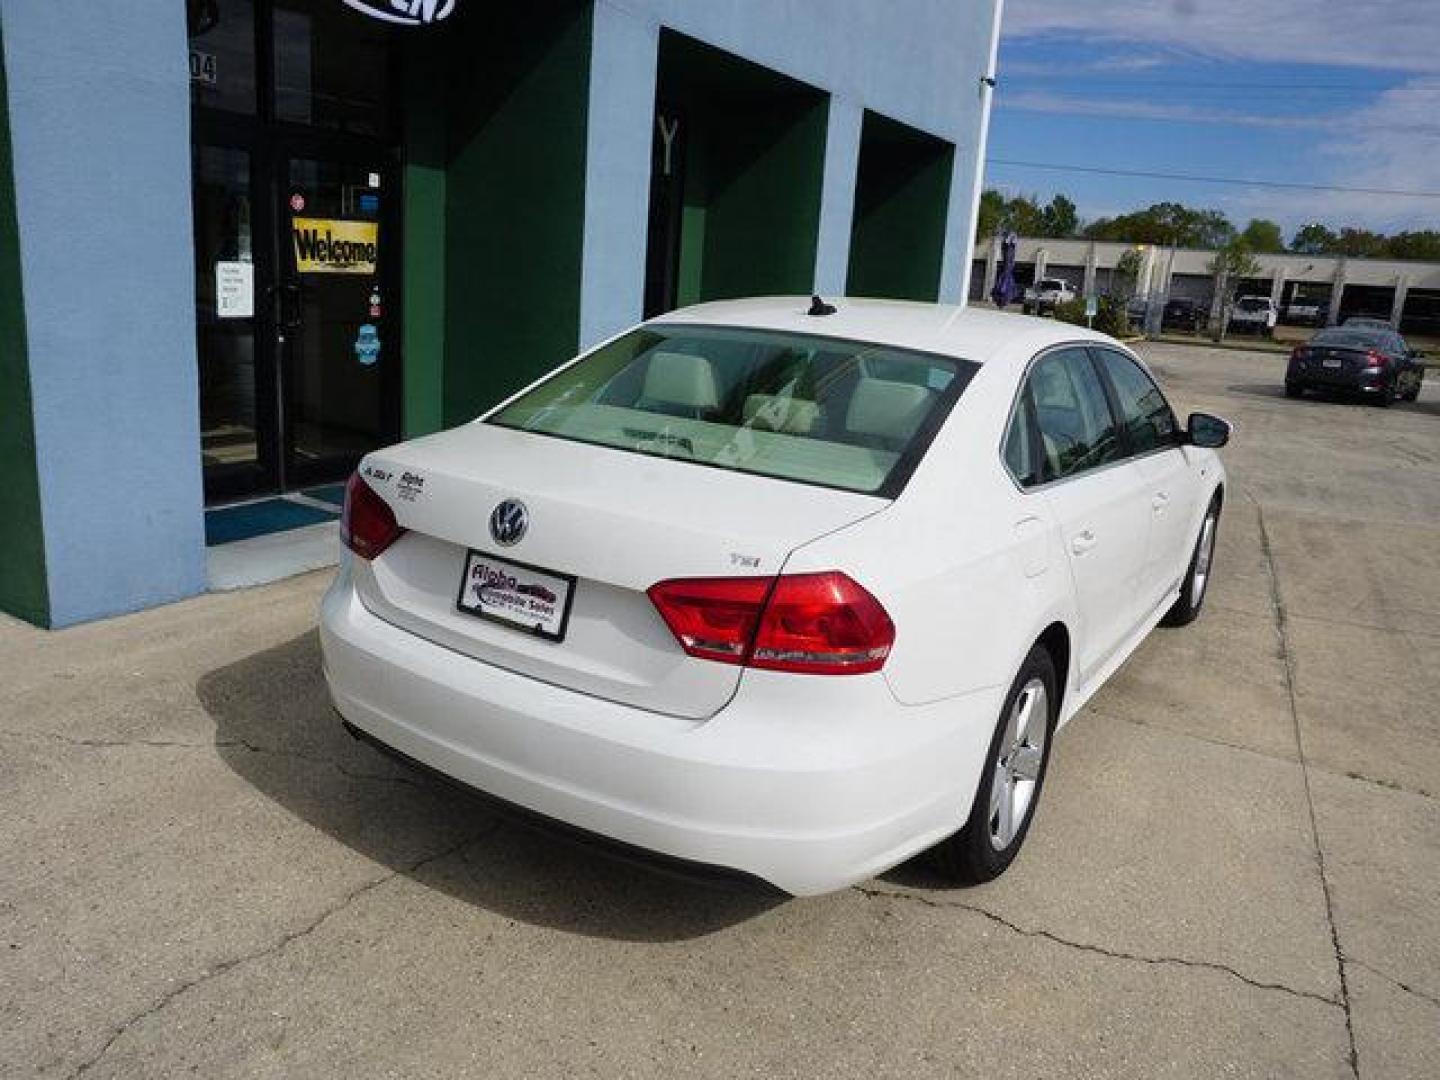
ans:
(1365, 380)
(807, 783)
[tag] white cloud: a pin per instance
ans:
(1105, 65)
(1121, 109)
(1388, 145)
(1397, 35)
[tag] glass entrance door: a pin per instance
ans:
(339, 354)
(238, 428)
(297, 230)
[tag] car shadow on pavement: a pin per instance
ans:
(274, 726)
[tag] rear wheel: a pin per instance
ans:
(1186, 608)
(1011, 779)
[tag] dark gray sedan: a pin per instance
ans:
(1376, 363)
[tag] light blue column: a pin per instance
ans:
(100, 123)
(624, 55)
(837, 197)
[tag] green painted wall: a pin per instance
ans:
(23, 589)
(423, 301)
(514, 190)
(902, 196)
(763, 220)
(754, 161)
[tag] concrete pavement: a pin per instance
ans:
(1235, 869)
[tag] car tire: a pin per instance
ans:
(1293, 390)
(1011, 779)
(1196, 583)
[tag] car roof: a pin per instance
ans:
(981, 335)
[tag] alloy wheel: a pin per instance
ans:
(1017, 770)
(1204, 554)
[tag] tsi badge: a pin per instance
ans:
(508, 522)
(405, 12)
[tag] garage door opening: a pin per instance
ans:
(739, 157)
(902, 196)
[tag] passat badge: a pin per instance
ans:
(508, 522)
(405, 12)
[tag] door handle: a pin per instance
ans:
(289, 316)
(1083, 542)
(1160, 502)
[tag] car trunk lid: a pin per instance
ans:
(615, 521)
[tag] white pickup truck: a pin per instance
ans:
(1253, 315)
(1046, 293)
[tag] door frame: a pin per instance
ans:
(271, 143)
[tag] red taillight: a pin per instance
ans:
(712, 618)
(815, 624)
(822, 624)
(1374, 359)
(367, 524)
(1301, 353)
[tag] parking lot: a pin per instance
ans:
(1235, 869)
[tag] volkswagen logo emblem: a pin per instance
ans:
(508, 522)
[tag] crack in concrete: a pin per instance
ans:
(219, 744)
(273, 948)
(1393, 981)
(1388, 785)
(1287, 663)
(1099, 950)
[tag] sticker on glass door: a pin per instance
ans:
(335, 246)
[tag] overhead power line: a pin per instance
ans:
(1233, 181)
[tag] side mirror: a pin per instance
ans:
(1209, 432)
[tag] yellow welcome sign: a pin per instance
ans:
(335, 246)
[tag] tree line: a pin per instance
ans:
(1172, 223)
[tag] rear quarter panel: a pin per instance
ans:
(969, 587)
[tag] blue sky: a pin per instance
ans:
(1318, 92)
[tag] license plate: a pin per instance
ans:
(1330, 362)
(525, 597)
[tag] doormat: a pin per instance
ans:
(231, 523)
(334, 494)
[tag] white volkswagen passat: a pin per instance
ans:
(788, 594)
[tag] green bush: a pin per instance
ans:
(1110, 317)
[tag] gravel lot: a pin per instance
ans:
(1235, 869)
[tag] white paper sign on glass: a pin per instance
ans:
(234, 290)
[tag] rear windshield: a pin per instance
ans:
(1358, 336)
(839, 414)
(1251, 304)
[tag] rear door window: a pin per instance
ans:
(1148, 420)
(1077, 430)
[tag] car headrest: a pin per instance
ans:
(682, 379)
(774, 412)
(890, 410)
(1051, 388)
